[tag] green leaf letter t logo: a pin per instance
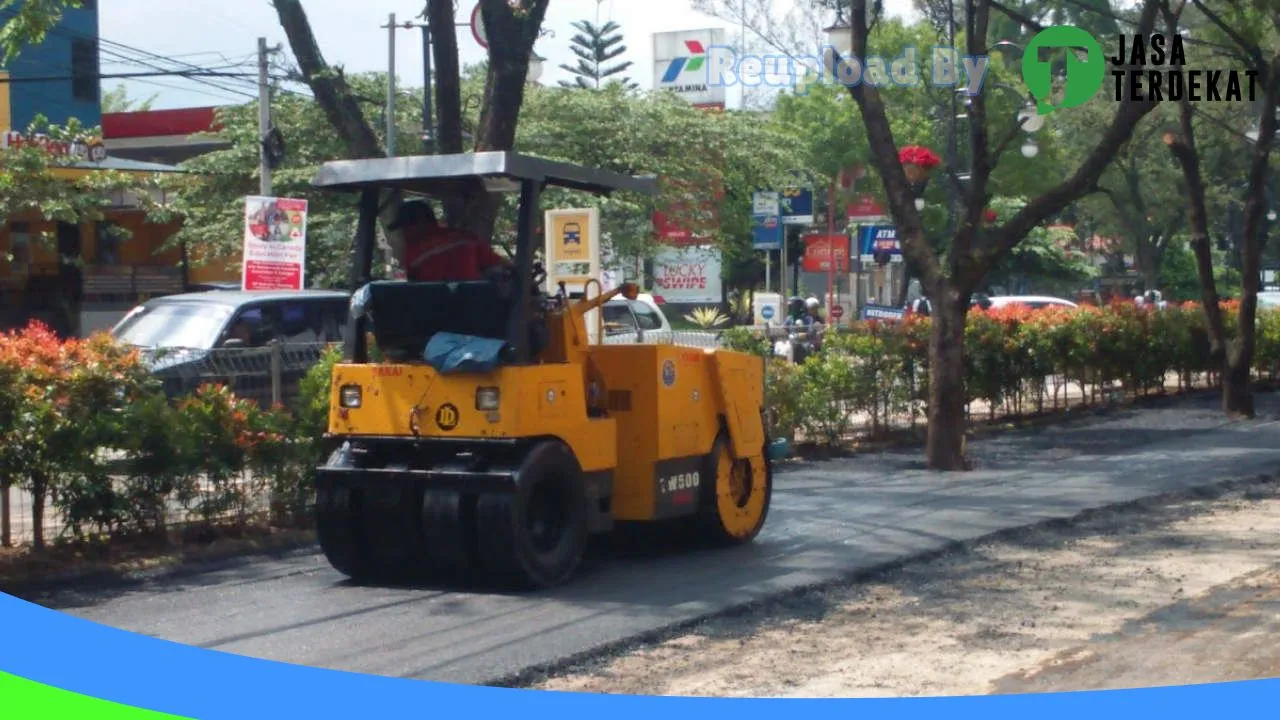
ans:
(1084, 77)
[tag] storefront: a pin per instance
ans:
(90, 275)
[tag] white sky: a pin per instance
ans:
(204, 32)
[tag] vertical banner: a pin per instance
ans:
(766, 227)
(275, 244)
(572, 247)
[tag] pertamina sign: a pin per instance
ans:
(680, 64)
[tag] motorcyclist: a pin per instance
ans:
(803, 313)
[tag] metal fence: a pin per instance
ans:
(268, 375)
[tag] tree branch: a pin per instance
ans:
(1003, 239)
(884, 155)
(332, 93)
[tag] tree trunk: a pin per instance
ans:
(39, 487)
(448, 91)
(1237, 381)
(944, 448)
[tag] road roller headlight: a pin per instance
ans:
(487, 398)
(350, 397)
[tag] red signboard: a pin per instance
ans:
(680, 225)
(865, 207)
(818, 252)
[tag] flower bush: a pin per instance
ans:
(1017, 360)
(89, 434)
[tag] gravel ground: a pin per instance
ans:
(1172, 593)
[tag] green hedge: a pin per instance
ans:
(880, 369)
(87, 430)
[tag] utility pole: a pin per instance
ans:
(428, 119)
(391, 85)
(264, 118)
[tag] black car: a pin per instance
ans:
(227, 336)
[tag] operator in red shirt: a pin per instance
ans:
(433, 253)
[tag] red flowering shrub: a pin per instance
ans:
(918, 155)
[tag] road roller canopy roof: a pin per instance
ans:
(469, 173)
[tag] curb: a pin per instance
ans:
(298, 544)
(537, 673)
(980, 429)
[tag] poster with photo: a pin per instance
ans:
(275, 243)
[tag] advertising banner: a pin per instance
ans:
(680, 64)
(689, 275)
(864, 208)
(796, 206)
(882, 312)
(766, 233)
(572, 247)
(764, 203)
(275, 244)
(820, 250)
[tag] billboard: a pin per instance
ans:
(873, 239)
(687, 275)
(819, 250)
(680, 64)
(275, 244)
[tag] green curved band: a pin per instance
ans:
(28, 700)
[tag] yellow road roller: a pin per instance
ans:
(477, 429)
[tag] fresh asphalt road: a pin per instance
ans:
(828, 519)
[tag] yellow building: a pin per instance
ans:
(91, 278)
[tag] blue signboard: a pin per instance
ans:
(766, 233)
(874, 239)
(882, 312)
(796, 206)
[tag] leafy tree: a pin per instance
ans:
(29, 23)
(517, 22)
(974, 250)
(595, 45)
(1247, 33)
(118, 100)
(613, 129)
(37, 180)
(212, 195)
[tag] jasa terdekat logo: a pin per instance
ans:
(1144, 68)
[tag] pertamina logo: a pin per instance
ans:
(682, 66)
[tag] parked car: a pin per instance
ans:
(1035, 302)
(642, 321)
(1269, 299)
(225, 336)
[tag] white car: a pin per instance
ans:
(642, 321)
(1035, 302)
(1269, 299)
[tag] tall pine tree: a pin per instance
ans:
(595, 46)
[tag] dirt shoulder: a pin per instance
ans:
(1168, 594)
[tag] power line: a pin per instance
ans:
(170, 73)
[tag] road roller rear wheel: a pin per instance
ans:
(448, 531)
(735, 502)
(535, 537)
(337, 532)
(393, 532)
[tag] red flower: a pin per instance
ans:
(918, 155)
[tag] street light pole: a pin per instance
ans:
(391, 85)
(428, 116)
